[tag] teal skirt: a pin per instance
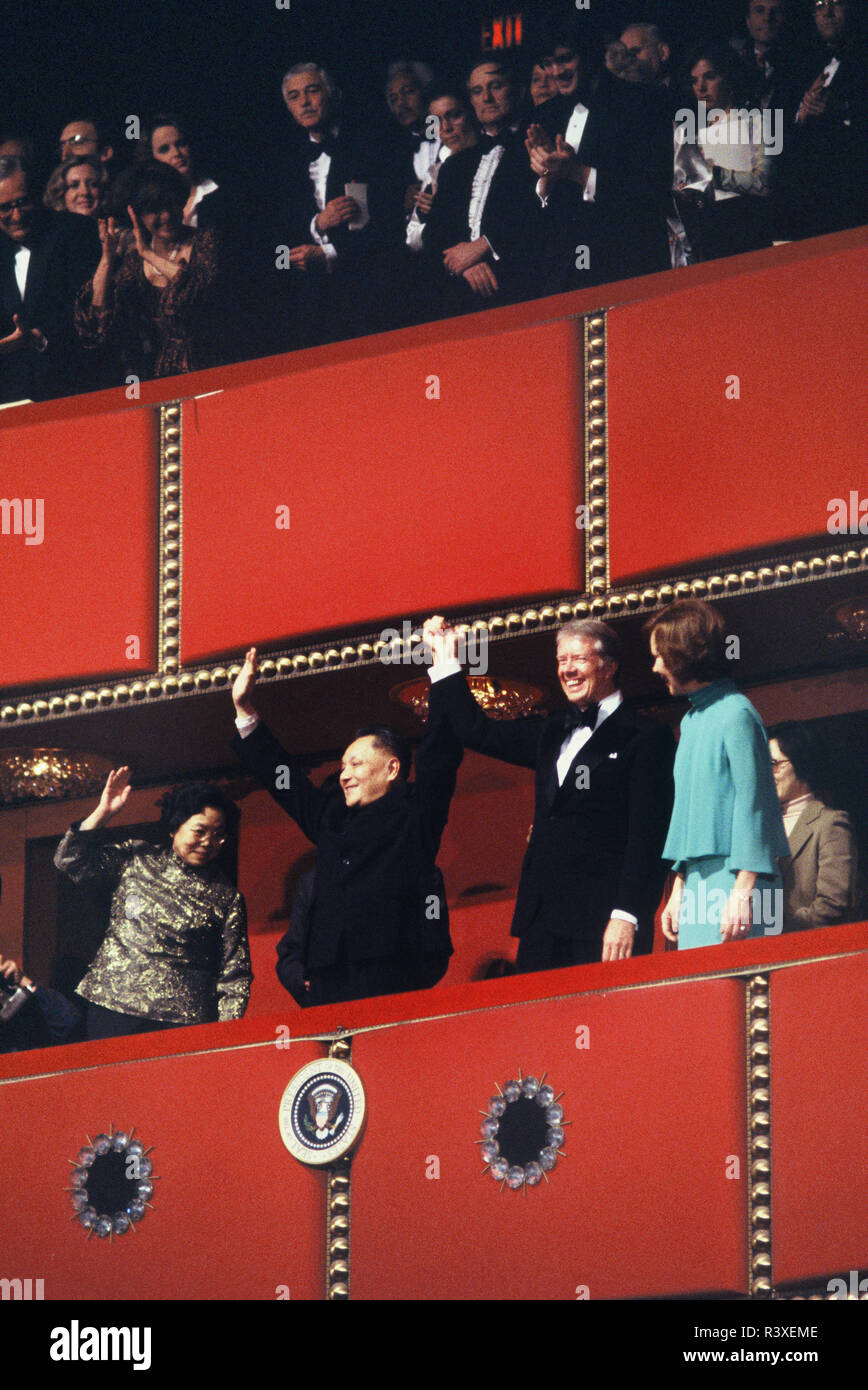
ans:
(707, 886)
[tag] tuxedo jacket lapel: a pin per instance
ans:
(804, 828)
(9, 295)
(37, 272)
(605, 741)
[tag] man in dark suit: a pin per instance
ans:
(592, 875)
(482, 234)
(377, 921)
(603, 153)
(331, 217)
(45, 257)
(820, 181)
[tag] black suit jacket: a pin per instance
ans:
(628, 139)
(64, 250)
(820, 179)
(511, 218)
(351, 296)
(375, 871)
(593, 847)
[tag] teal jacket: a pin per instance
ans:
(725, 800)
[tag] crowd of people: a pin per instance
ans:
(584, 159)
(734, 816)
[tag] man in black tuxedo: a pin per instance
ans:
(45, 257)
(602, 150)
(377, 921)
(482, 233)
(592, 875)
(820, 181)
(332, 217)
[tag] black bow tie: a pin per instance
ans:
(582, 718)
(327, 145)
(486, 143)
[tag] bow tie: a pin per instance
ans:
(582, 718)
(327, 145)
(486, 143)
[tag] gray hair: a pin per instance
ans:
(420, 72)
(607, 643)
(310, 67)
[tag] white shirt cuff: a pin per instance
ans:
(624, 916)
(246, 723)
(439, 670)
(590, 192)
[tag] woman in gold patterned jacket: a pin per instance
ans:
(176, 949)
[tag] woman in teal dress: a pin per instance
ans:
(726, 833)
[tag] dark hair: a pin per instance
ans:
(179, 804)
(454, 90)
(102, 136)
(726, 62)
(607, 643)
(158, 188)
(392, 743)
(800, 743)
(691, 638)
(502, 61)
(144, 151)
(573, 32)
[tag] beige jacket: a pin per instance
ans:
(820, 875)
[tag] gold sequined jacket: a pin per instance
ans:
(176, 948)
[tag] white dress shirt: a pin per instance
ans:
(573, 137)
(22, 266)
(200, 191)
(415, 226)
(319, 169)
(424, 158)
(485, 171)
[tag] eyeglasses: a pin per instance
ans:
(208, 837)
(76, 140)
(6, 208)
(779, 762)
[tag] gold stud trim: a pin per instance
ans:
(595, 455)
(173, 681)
(337, 1251)
(759, 1136)
(169, 552)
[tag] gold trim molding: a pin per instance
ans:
(170, 524)
(338, 1207)
(811, 563)
(596, 425)
(759, 1136)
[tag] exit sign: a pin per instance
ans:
(503, 32)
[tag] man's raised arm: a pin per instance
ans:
(512, 740)
(279, 772)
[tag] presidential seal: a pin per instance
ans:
(322, 1112)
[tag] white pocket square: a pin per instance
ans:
(613, 755)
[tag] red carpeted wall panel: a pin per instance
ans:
(641, 1205)
(695, 475)
(397, 503)
(71, 603)
(819, 1072)
(234, 1216)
